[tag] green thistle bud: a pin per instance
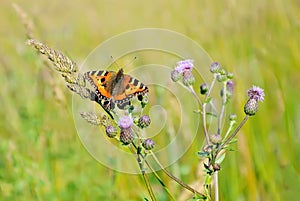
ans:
(203, 88)
(232, 117)
(221, 78)
(223, 72)
(251, 107)
(215, 67)
(143, 99)
(136, 120)
(148, 144)
(230, 75)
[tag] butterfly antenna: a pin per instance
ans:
(114, 62)
(134, 58)
(118, 66)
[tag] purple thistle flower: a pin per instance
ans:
(125, 122)
(183, 65)
(256, 93)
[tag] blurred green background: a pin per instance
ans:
(42, 158)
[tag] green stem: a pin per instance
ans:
(155, 174)
(211, 86)
(216, 184)
(160, 180)
(204, 110)
(181, 183)
(232, 123)
(230, 137)
(191, 89)
(222, 108)
(145, 177)
(204, 123)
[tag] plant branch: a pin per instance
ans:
(181, 183)
(222, 108)
(160, 180)
(216, 184)
(231, 136)
(145, 177)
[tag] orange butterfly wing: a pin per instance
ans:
(99, 80)
(111, 87)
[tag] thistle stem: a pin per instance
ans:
(191, 89)
(204, 123)
(160, 180)
(181, 183)
(231, 136)
(216, 184)
(211, 86)
(204, 110)
(145, 177)
(222, 108)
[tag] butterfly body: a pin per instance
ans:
(114, 88)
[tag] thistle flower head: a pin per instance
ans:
(251, 107)
(111, 131)
(176, 75)
(125, 122)
(184, 65)
(188, 78)
(144, 121)
(148, 144)
(184, 70)
(126, 136)
(215, 138)
(256, 93)
(215, 67)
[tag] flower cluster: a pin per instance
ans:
(127, 133)
(217, 141)
(184, 70)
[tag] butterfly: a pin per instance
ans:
(115, 88)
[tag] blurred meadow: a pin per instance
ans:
(41, 156)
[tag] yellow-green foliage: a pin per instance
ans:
(41, 156)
